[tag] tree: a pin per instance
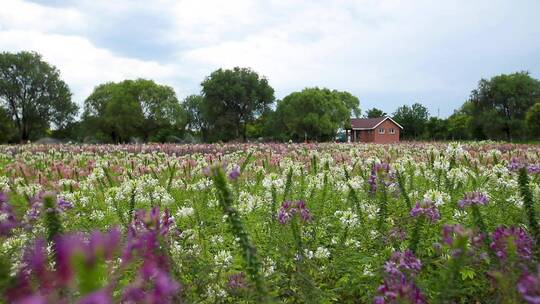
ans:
(7, 129)
(233, 99)
(33, 94)
(195, 114)
(314, 113)
(374, 113)
(436, 129)
(532, 119)
(459, 126)
(413, 119)
(133, 108)
(499, 104)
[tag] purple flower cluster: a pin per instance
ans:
(234, 174)
(426, 208)
(7, 218)
(372, 180)
(529, 287)
(473, 198)
(522, 242)
(398, 283)
(289, 209)
(237, 281)
(37, 282)
(450, 232)
(76, 255)
(152, 284)
(515, 165)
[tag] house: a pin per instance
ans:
(380, 130)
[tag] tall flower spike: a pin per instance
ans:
(522, 242)
(473, 198)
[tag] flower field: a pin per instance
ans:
(270, 223)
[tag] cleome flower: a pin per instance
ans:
(501, 238)
(289, 209)
(426, 208)
(473, 198)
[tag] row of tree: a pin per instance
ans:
(237, 104)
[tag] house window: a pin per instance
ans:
(381, 130)
(392, 131)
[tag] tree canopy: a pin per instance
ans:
(499, 105)
(532, 119)
(232, 99)
(374, 113)
(129, 109)
(413, 119)
(315, 114)
(33, 95)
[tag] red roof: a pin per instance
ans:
(369, 123)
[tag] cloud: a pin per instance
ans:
(82, 65)
(387, 52)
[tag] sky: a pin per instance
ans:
(386, 52)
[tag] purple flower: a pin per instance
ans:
(515, 165)
(426, 208)
(289, 209)
(529, 287)
(473, 198)
(522, 242)
(237, 281)
(63, 204)
(235, 173)
(399, 280)
(399, 290)
(152, 285)
(7, 218)
(102, 296)
(406, 261)
(372, 180)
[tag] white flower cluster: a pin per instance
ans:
(273, 180)
(247, 202)
(348, 218)
(146, 190)
(185, 212)
(30, 190)
(223, 259)
(4, 184)
(436, 196)
(322, 253)
(458, 175)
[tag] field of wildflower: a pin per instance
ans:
(270, 223)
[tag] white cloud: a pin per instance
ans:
(388, 52)
(83, 65)
(22, 15)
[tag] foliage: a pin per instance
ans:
(196, 121)
(437, 128)
(33, 94)
(233, 99)
(351, 223)
(500, 104)
(129, 109)
(8, 131)
(532, 119)
(315, 114)
(374, 113)
(413, 119)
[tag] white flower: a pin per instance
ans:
(347, 218)
(437, 197)
(322, 253)
(185, 212)
(223, 259)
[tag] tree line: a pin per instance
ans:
(238, 105)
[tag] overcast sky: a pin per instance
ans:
(388, 53)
